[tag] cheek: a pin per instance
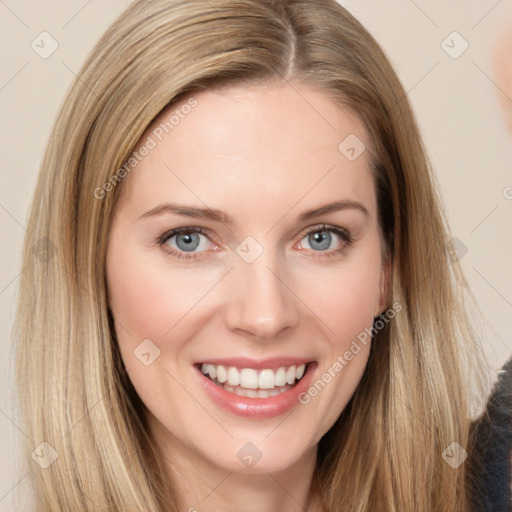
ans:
(153, 300)
(150, 299)
(344, 297)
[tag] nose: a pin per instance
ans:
(261, 303)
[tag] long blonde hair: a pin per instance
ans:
(385, 451)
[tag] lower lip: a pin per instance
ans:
(258, 407)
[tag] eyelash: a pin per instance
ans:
(342, 233)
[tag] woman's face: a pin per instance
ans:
(274, 273)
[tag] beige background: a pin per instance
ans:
(455, 101)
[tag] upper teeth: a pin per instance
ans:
(250, 378)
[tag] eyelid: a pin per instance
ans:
(325, 227)
(185, 229)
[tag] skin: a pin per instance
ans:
(263, 155)
(502, 68)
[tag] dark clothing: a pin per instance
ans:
(490, 459)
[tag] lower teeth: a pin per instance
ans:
(253, 393)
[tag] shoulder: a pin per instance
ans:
(490, 460)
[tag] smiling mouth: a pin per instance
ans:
(252, 383)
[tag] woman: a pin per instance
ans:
(177, 351)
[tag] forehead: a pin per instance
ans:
(235, 146)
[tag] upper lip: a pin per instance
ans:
(261, 364)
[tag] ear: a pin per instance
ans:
(383, 299)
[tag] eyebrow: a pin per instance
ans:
(220, 216)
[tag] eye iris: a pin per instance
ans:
(322, 237)
(190, 241)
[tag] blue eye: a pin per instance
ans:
(187, 241)
(181, 241)
(320, 238)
